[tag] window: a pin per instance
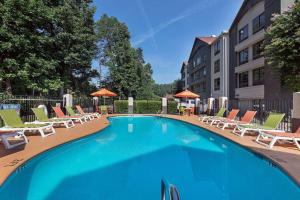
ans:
(243, 79)
(204, 71)
(258, 23)
(258, 50)
(204, 58)
(217, 66)
(243, 33)
(217, 47)
(198, 60)
(217, 84)
(258, 76)
(194, 63)
(243, 56)
(203, 86)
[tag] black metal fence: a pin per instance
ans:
(264, 108)
(25, 103)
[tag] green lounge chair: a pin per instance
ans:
(270, 124)
(181, 110)
(13, 122)
(71, 112)
(103, 110)
(43, 118)
(219, 115)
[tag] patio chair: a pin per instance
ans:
(269, 138)
(4, 135)
(270, 124)
(71, 112)
(43, 118)
(59, 113)
(13, 122)
(103, 110)
(231, 116)
(80, 110)
(181, 110)
(245, 120)
(218, 115)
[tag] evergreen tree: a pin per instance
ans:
(127, 70)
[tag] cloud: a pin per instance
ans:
(152, 31)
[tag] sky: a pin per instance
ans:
(166, 29)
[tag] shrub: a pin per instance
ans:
(147, 106)
(172, 107)
(121, 106)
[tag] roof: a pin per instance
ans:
(208, 39)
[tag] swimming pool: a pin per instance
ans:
(128, 159)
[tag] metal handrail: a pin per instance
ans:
(169, 191)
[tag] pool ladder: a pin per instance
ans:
(169, 191)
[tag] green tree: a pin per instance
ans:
(22, 56)
(282, 49)
(128, 73)
(46, 45)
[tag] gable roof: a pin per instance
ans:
(207, 39)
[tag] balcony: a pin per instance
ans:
(251, 92)
(260, 35)
(252, 64)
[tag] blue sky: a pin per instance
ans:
(165, 29)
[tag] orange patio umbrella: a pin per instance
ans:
(104, 93)
(186, 94)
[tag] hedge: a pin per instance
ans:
(121, 106)
(144, 106)
(147, 106)
(172, 107)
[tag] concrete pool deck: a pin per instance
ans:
(287, 158)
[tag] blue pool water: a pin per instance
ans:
(128, 159)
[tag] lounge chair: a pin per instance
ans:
(246, 120)
(59, 113)
(181, 110)
(71, 112)
(218, 115)
(43, 118)
(103, 110)
(269, 138)
(231, 116)
(270, 124)
(13, 122)
(4, 135)
(80, 110)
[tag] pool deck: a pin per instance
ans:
(288, 157)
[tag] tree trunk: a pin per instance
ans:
(8, 89)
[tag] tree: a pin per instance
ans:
(46, 45)
(22, 56)
(128, 73)
(282, 49)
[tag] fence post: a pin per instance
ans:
(197, 106)
(164, 106)
(68, 100)
(130, 105)
(296, 111)
(210, 105)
